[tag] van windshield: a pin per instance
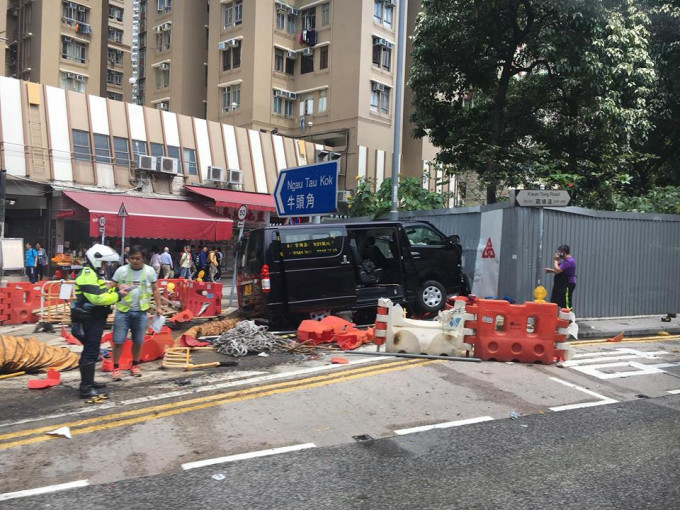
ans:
(251, 253)
(305, 243)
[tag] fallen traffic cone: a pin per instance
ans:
(53, 378)
(616, 338)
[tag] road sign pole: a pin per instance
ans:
(233, 276)
(539, 258)
(122, 236)
(103, 229)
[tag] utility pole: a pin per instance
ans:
(398, 105)
(3, 192)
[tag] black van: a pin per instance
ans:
(309, 270)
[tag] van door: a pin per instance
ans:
(434, 256)
(317, 268)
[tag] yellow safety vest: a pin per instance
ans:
(145, 285)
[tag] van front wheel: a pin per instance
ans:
(431, 296)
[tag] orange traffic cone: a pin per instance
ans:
(64, 334)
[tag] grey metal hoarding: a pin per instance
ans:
(627, 263)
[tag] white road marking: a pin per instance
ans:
(446, 425)
(228, 384)
(674, 392)
(603, 400)
(43, 490)
(638, 369)
(249, 455)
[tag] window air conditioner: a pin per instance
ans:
(222, 46)
(66, 38)
(307, 52)
(166, 26)
(380, 41)
(72, 5)
(168, 165)
(343, 196)
(378, 87)
(163, 106)
(70, 75)
(291, 55)
(216, 174)
(157, 28)
(81, 8)
(146, 162)
(164, 66)
(280, 7)
(234, 177)
(232, 43)
(293, 11)
(392, 2)
(80, 77)
(321, 155)
(334, 155)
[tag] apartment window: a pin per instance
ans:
(81, 145)
(231, 57)
(114, 77)
(281, 20)
(383, 13)
(115, 96)
(380, 98)
(279, 60)
(115, 35)
(306, 104)
(283, 106)
(290, 24)
(325, 14)
(231, 95)
(290, 65)
(163, 41)
(120, 150)
(82, 14)
(233, 13)
(323, 57)
(163, 75)
(307, 62)
(174, 152)
(157, 149)
(115, 56)
(71, 50)
(190, 162)
(115, 13)
(73, 81)
(323, 105)
(308, 18)
(164, 5)
(102, 148)
(382, 53)
(138, 148)
(69, 11)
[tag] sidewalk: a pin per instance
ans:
(649, 325)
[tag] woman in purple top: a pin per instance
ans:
(564, 268)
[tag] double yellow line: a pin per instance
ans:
(132, 417)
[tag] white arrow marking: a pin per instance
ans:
(279, 188)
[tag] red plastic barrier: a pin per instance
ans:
(315, 332)
(203, 299)
(504, 332)
(19, 300)
(153, 348)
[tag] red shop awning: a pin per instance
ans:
(153, 218)
(230, 198)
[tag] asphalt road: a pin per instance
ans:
(619, 456)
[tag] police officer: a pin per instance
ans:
(93, 304)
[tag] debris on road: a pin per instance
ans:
(53, 379)
(28, 355)
(247, 337)
(192, 335)
(61, 431)
(180, 357)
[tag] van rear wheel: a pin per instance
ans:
(431, 296)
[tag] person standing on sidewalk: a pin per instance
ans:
(30, 262)
(185, 263)
(564, 269)
(140, 282)
(167, 267)
(88, 316)
(41, 262)
(212, 265)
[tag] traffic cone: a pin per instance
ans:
(64, 334)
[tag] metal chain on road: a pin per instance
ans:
(247, 337)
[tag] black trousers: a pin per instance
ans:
(563, 294)
(91, 347)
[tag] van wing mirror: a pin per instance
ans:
(454, 239)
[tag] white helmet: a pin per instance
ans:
(100, 253)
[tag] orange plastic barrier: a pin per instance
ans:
(19, 302)
(315, 332)
(503, 332)
(203, 299)
(153, 348)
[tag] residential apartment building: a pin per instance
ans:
(323, 70)
(81, 45)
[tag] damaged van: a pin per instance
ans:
(310, 270)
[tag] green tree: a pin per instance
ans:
(411, 196)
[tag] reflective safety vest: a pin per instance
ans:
(145, 284)
(92, 288)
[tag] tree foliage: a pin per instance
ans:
(411, 196)
(563, 93)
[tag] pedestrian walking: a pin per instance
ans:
(30, 262)
(185, 263)
(167, 267)
(88, 315)
(212, 265)
(155, 260)
(41, 266)
(220, 257)
(140, 282)
(202, 264)
(564, 284)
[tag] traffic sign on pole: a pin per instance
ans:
(242, 212)
(542, 198)
(122, 212)
(307, 190)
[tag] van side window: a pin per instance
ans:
(420, 235)
(251, 259)
(308, 243)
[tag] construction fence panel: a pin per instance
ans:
(627, 263)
